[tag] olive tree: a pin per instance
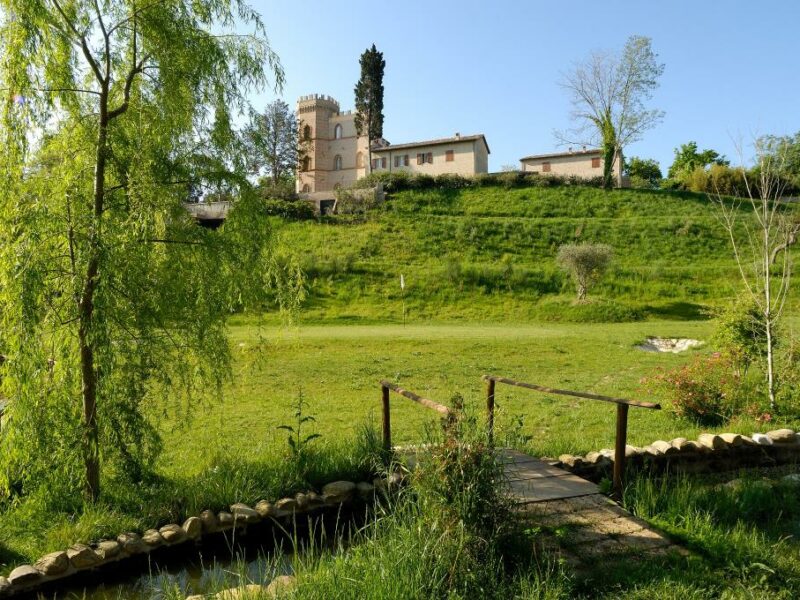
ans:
(586, 263)
(114, 113)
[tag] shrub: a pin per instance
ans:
(741, 334)
(353, 202)
(293, 210)
(708, 390)
(586, 263)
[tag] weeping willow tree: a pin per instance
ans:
(113, 301)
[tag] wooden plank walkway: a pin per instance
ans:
(530, 480)
(590, 524)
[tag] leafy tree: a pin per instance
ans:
(369, 98)
(609, 93)
(761, 238)
(114, 112)
(785, 151)
(586, 263)
(687, 159)
(645, 171)
(273, 142)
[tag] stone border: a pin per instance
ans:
(80, 558)
(710, 452)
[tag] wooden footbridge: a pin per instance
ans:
(553, 497)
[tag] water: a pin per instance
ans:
(221, 561)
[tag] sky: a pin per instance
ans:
(732, 69)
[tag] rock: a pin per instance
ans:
(782, 436)
(24, 575)
(172, 533)
(52, 564)
(4, 584)
(608, 453)
(247, 592)
(107, 549)
(281, 585)
(365, 490)
(193, 527)
(302, 501)
(209, 521)
(152, 538)
(131, 543)
(666, 448)
(339, 491)
(314, 500)
(652, 450)
(793, 478)
(596, 458)
(244, 514)
(733, 439)
(694, 447)
(265, 509)
(762, 439)
(285, 506)
(196, 597)
(394, 480)
(225, 520)
(678, 442)
(568, 460)
(631, 451)
(82, 557)
(711, 441)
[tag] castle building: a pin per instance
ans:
(337, 155)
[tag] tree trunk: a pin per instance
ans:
(91, 445)
(768, 319)
(618, 157)
(609, 150)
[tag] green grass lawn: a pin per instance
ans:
(338, 367)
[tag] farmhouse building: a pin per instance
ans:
(338, 156)
(581, 163)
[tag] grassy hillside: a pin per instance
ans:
(489, 254)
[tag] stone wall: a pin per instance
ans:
(57, 567)
(709, 453)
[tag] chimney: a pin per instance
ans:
(584, 148)
(458, 135)
(570, 149)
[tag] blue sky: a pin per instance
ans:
(492, 67)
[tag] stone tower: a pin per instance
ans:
(335, 153)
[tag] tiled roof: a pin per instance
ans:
(590, 152)
(450, 140)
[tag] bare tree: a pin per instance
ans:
(761, 238)
(609, 92)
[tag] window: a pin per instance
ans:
(596, 162)
(449, 156)
(306, 164)
(306, 188)
(383, 163)
(307, 132)
(545, 167)
(337, 162)
(378, 163)
(420, 159)
(360, 160)
(337, 132)
(405, 160)
(396, 161)
(429, 158)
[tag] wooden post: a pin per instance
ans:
(619, 449)
(490, 410)
(387, 424)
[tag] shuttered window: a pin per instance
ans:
(405, 160)
(546, 167)
(429, 157)
(596, 162)
(420, 159)
(449, 156)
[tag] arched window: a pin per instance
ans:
(360, 160)
(306, 188)
(337, 132)
(306, 164)
(307, 132)
(337, 162)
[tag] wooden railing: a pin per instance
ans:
(622, 417)
(386, 387)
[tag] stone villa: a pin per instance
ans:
(580, 163)
(338, 156)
